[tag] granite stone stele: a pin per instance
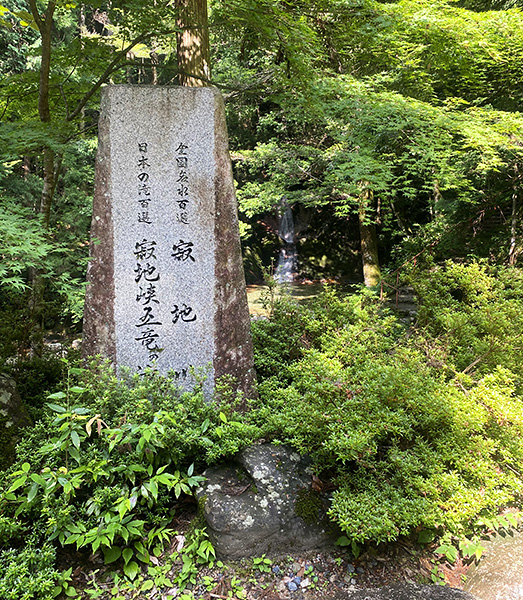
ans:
(166, 287)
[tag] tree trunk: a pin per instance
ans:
(512, 253)
(49, 167)
(369, 241)
(192, 41)
(155, 61)
(513, 250)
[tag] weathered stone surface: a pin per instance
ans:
(252, 507)
(166, 284)
(13, 416)
(406, 591)
(499, 573)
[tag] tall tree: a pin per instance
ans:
(192, 40)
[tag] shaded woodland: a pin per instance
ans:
(393, 131)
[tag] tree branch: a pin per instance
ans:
(105, 75)
(36, 15)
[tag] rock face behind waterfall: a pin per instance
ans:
(263, 503)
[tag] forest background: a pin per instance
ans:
(392, 129)
(394, 124)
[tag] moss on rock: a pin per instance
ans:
(308, 506)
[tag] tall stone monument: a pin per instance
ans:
(165, 282)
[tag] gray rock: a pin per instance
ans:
(406, 591)
(165, 280)
(13, 416)
(251, 506)
(499, 574)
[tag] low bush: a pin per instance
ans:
(102, 467)
(420, 427)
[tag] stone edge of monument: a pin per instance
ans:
(233, 351)
(99, 327)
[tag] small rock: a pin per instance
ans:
(297, 580)
(353, 581)
(264, 522)
(305, 583)
(280, 588)
(291, 586)
(276, 570)
(360, 570)
(350, 569)
(295, 567)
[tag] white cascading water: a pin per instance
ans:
(288, 258)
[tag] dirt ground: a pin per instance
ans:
(294, 577)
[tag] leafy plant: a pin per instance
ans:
(30, 573)
(105, 486)
(262, 564)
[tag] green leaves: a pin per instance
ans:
(112, 554)
(414, 444)
(23, 245)
(103, 501)
(131, 569)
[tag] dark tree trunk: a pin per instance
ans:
(369, 241)
(44, 24)
(512, 253)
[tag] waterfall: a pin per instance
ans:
(287, 265)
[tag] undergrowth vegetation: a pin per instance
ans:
(418, 427)
(101, 470)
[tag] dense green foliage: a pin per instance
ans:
(418, 427)
(100, 471)
(406, 110)
(414, 425)
(415, 102)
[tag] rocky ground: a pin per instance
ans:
(312, 576)
(324, 575)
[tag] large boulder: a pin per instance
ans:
(13, 416)
(499, 573)
(406, 591)
(263, 503)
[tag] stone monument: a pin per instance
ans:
(166, 288)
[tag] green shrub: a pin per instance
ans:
(417, 428)
(102, 467)
(28, 573)
(470, 316)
